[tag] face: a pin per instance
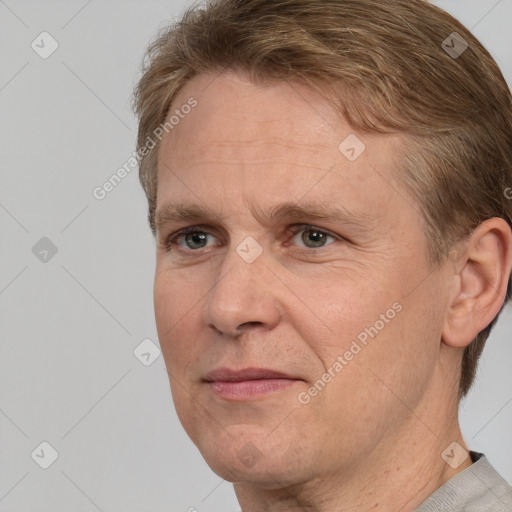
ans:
(298, 314)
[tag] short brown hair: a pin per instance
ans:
(389, 67)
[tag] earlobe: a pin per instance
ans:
(481, 275)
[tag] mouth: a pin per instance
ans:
(248, 383)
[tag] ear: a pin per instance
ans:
(481, 275)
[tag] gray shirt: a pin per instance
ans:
(478, 488)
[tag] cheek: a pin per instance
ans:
(380, 381)
(174, 295)
(350, 308)
(174, 314)
(399, 358)
(176, 317)
(167, 308)
(389, 343)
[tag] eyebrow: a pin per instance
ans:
(170, 213)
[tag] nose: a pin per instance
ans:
(244, 296)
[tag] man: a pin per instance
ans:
(327, 185)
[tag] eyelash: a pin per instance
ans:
(172, 239)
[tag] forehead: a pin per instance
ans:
(233, 111)
(282, 142)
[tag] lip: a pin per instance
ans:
(247, 383)
(252, 373)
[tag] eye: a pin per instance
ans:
(193, 238)
(189, 238)
(311, 236)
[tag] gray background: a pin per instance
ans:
(69, 325)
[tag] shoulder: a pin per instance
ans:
(479, 488)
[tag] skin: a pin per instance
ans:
(372, 438)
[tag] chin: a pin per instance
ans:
(265, 474)
(246, 458)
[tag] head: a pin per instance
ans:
(359, 108)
